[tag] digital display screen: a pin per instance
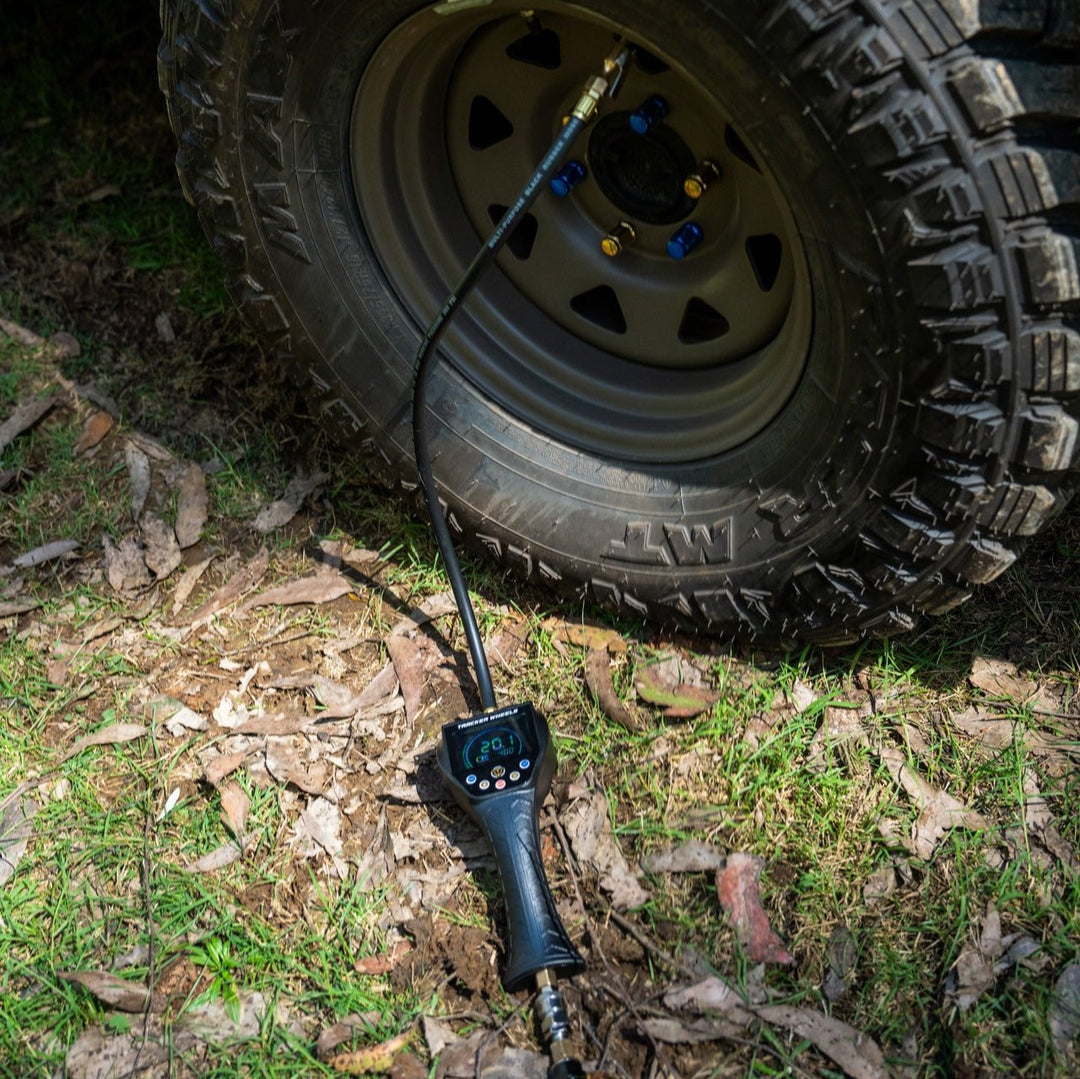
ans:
(491, 745)
(489, 749)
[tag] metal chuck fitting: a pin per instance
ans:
(554, 1026)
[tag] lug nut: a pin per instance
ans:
(567, 178)
(618, 238)
(685, 239)
(648, 114)
(697, 183)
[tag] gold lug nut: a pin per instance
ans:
(697, 183)
(618, 238)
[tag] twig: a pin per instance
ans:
(649, 946)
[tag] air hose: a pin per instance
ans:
(548, 1005)
(426, 354)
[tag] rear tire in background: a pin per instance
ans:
(848, 404)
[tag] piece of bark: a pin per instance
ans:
(598, 679)
(242, 581)
(24, 417)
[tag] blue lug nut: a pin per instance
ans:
(685, 239)
(648, 114)
(567, 178)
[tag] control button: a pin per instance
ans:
(524, 763)
(498, 772)
(514, 776)
(471, 779)
(484, 784)
(499, 784)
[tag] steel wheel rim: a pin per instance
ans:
(639, 357)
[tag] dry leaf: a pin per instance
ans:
(98, 424)
(938, 811)
(408, 661)
(442, 603)
(739, 895)
(502, 647)
(693, 856)
(225, 855)
(676, 687)
(188, 580)
(125, 568)
(26, 338)
(110, 989)
(850, 1049)
(586, 636)
(693, 1031)
(225, 765)
(161, 552)
(1065, 1009)
(319, 828)
(1040, 823)
(16, 828)
(116, 734)
(65, 345)
(598, 679)
(319, 588)
(191, 506)
(841, 956)
(383, 964)
(343, 1030)
(243, 580)
(234, 810)
(24, 417)
(710, 995)
(10, 607)
(45, 553)
(185, 719)
(588, 827)
(376, 1058)
(138, 466)
(285, 508)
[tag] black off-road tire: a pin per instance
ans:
(927, 153)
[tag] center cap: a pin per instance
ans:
(641, 174)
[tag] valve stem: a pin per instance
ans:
(552, 1019)
(614, 242)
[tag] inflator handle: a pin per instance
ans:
(537, 939)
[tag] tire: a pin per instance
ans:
(848, 406)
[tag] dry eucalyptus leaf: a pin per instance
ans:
(939, 811)
(115, 734)
(234, 810)
(586, 636)
(598, 679)
(675, 686)
(710, 995)
(161, 552)
(243, 580)
(319, 828)
(319, 588)
(739, 894)
(224, 855)
(692, 1031)
(1065, 1008)
(26, 414)
(110, 989)
(225, 765)
(442, 603)
(188, 580)
(375, 1058)
(408, 660)
(693, 856)
(383, 964)
(125, 567)
(11, 607)
(191, 506)
(850, 1049)
(98, 424)
(281, 512)
(138, 466)
(588, 827)
(47, 552)
(16, 828)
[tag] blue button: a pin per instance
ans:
(524, 763)
(470, 780)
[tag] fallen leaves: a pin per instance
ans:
(17, 812)
(588, 827)
(319, 588)
(938, 811)
(111, 990)
(740, 895)
(281, 512)
(25, 416)
(111, 735)
(1065, 1009)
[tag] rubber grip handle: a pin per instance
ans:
(537, 939)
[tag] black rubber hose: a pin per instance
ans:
(425, 361)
